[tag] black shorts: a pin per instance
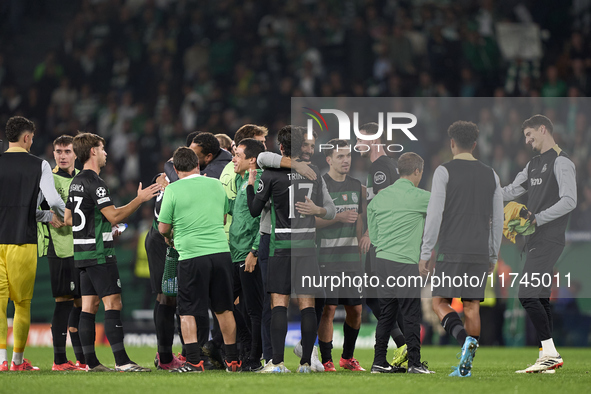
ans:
(204, 279)
(289, 275)
(65, 277)
(370, 270)
(100, 280)
(346, 293)
(156, 251)
(470, 287)
(398, 280)
(539, 262)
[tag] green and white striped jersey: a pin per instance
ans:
(93, 240)
(337, 243)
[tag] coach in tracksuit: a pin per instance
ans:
(550, 183)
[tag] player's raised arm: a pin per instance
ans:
(116, 215)
(274, 160)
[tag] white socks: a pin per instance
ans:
(548, 348)
(17, 358)
(3, 356)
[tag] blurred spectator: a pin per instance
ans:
(64, 94)
(145, 72)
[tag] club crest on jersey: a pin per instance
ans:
(544, 168)
(261, 186)
(354, 198)
(345, 197)
(101, 192)
(379, 178)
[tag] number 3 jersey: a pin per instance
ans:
(292, 234)
(93, 240)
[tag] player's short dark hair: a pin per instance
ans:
(284, 139)
(409, 162)
(184, 159)
(336, 145)
(63, 140)
(16, 126)
(208, 143)
(536, 121)
(371, 128)
(225, 141)
(463, 133)
(83, 143)
(298, 136)
(249, 131)
(191, 137)
(252, 147)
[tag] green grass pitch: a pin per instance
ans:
(493, 372)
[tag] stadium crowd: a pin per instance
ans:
(142, 74)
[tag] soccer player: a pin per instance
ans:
(91, 213)
(396, 218)
(292, 246)
(300, 165)
(226, 143)
(466, 198)
(165, 306)
(65, 277)
(25, 180)
(212, 158)
(244, 244)
(338, 243)
(205, 267)
(550, 183)
(382, 173)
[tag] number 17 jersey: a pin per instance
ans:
(93, 240)
(292, 234)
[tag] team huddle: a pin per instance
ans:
(246, 225)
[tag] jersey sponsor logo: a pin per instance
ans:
(261, 186)
(101, 192)
(103, 200)
(379, 178)
(354, 197)
(345, 197)
(535, 181)
(74, 187)
(544, 168)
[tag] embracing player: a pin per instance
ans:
(338, 243)
(292, 246)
